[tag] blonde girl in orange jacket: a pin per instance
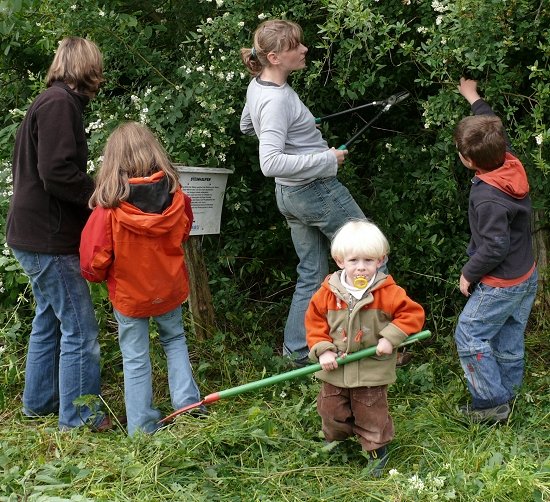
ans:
(133, 240)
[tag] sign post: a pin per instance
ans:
(206, 187)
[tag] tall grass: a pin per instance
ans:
(267, 446)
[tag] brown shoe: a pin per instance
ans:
(107, 424)
(403, 358)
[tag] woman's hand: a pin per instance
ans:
(340, 155)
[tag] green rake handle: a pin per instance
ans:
(289, 375)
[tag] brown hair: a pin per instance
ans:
(78, 63)
(131, 151)
(481, 138)
(275, 35)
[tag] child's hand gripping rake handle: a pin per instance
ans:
(289, 375)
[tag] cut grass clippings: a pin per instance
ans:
(267, 446)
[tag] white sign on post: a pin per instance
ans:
(206, 187)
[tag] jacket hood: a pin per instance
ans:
(511, 178)
(333, 284)
(150, 193)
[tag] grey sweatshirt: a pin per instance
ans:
(292, 149)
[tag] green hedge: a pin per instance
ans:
(176, 66)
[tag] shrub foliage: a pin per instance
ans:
(176, 67)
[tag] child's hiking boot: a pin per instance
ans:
(493, 415)
(378, 459)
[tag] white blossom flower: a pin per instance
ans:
(416, 483)
(241, 24)
(539, 139)
(283, 394)
(261, 16)
(102, 13)
(439, 6)
(219, 3)
(422, 29)
(92, 126)
(73, 7)
(438, 482)
(209, 20)
(393, 472)
(438, 20)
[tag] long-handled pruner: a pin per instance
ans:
(289, 375)
(386, 105)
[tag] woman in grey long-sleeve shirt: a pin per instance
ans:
(293, 151)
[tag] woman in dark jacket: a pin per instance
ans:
(46, 216)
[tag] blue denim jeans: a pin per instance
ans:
(314, 212)
(63, 352)
(133, 336)
(490, 340)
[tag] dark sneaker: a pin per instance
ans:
(200, 412)
(378, 459)
(493, 415)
